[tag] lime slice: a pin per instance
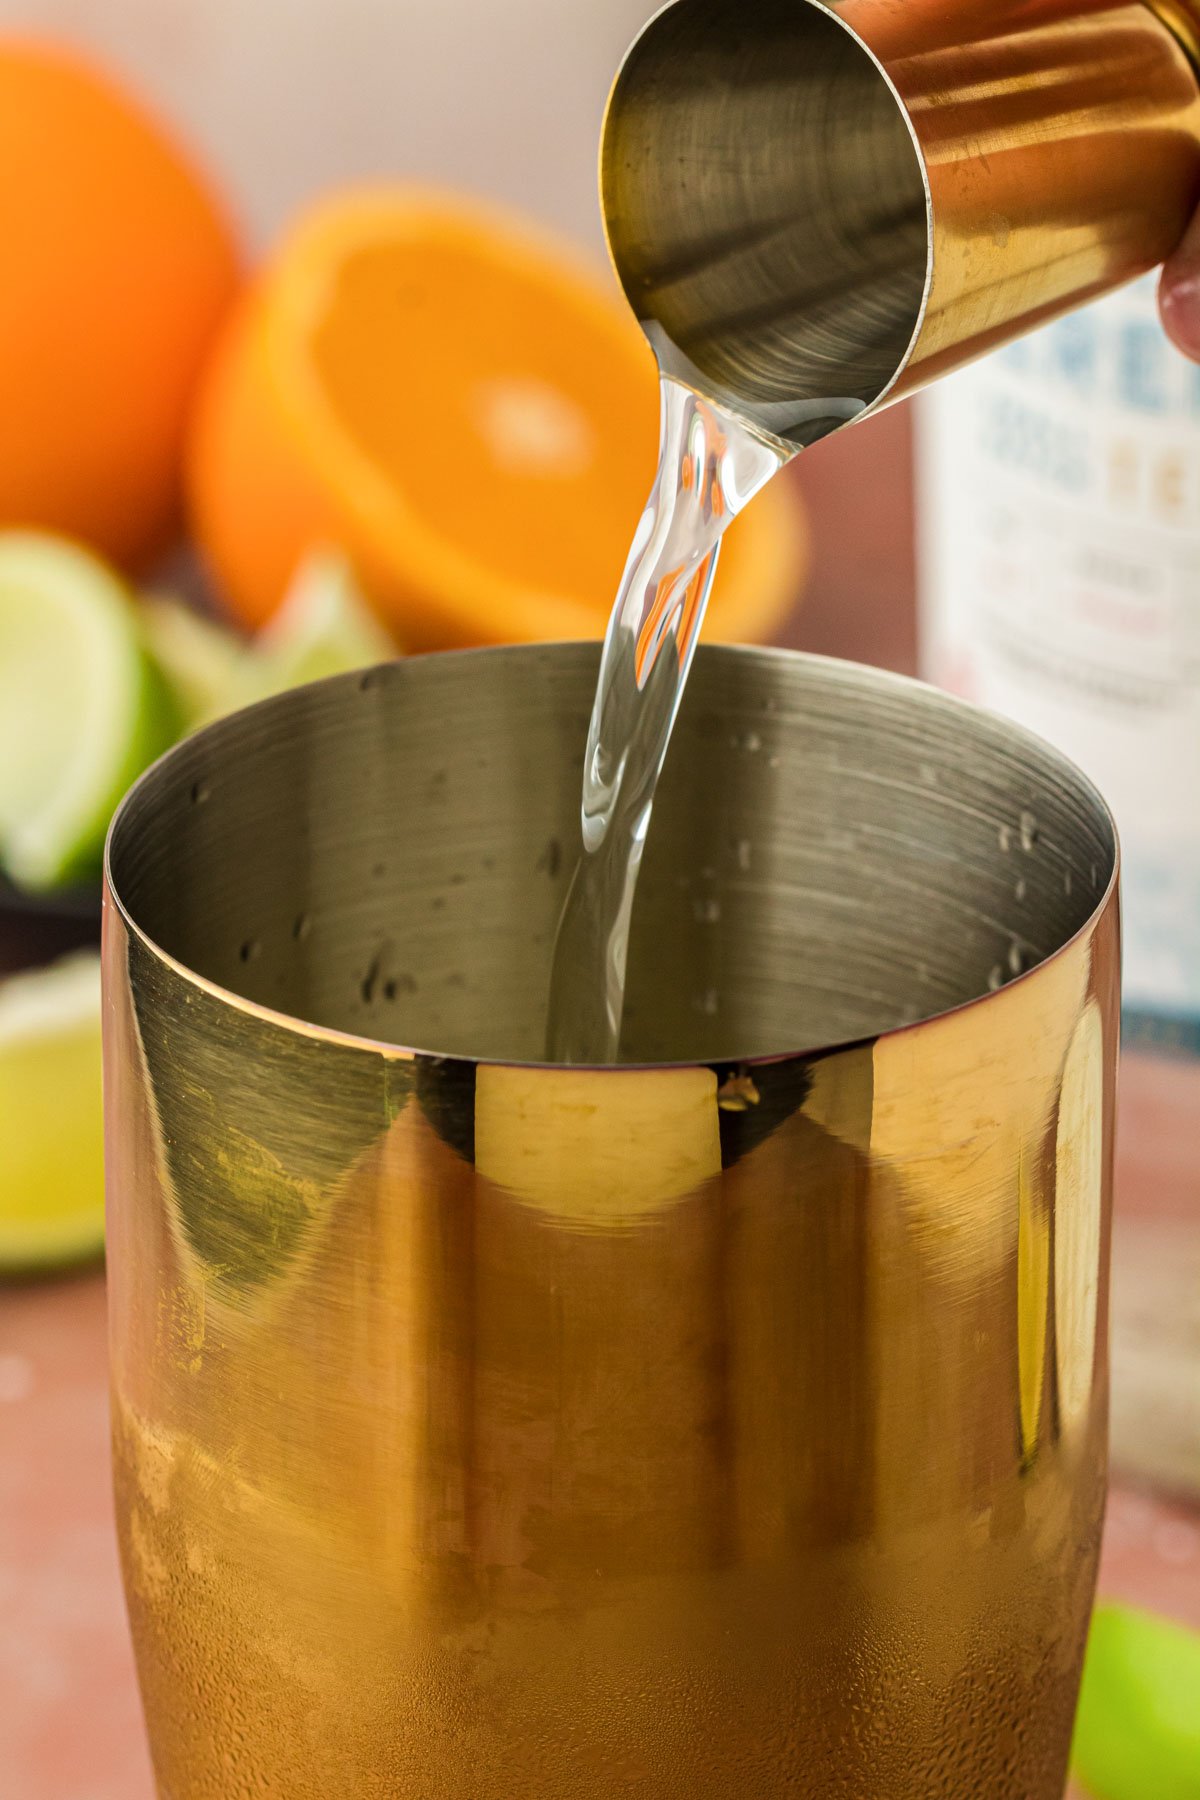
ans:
(82, 710)
(1137, 1734)
(51, 1127)
(324, 627)
(206, 666)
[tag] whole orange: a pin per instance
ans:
(118, 266)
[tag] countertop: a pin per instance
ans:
(70, 1722)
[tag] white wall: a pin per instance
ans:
(285, 97)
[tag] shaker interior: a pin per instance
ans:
(766, 209)
(834, 852)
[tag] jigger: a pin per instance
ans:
(815, 209)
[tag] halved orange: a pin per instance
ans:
(449, 398)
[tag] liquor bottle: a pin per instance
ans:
(1059, 555)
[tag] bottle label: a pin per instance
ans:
(1059, 543)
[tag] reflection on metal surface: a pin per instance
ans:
(806, 200)
(597, 1155)
(490, 1430)
(1182, 17)
(1033, 1293)
(1083, 1153)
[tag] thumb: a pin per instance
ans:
(1179, 293)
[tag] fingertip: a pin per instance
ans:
(1179, 299)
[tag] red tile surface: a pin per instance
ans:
(70, 1722)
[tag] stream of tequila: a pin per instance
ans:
(710, 466)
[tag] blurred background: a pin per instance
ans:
(179, 533)
(285, 100)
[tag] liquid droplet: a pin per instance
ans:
(738, 1094)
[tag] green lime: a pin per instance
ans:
(206, 666)
(324, 627)
(51, 1125)
(1137, 1733)
(82, 708)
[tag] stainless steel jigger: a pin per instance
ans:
(815, 209)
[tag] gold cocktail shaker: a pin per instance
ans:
(816, 208)
(731, 1423)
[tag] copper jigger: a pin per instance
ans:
(817, 208)
(708, 1427)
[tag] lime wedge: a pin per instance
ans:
(324, 627)
(1137, 1734)
(82, 710)
(206, 666)
(51, 1127)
